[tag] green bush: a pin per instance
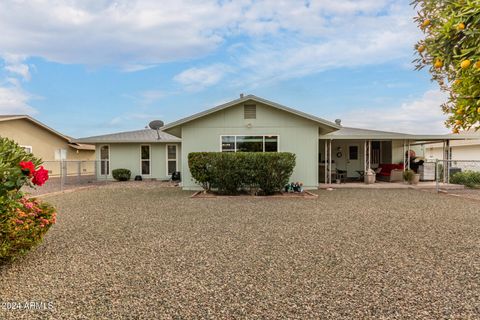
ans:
(468, 178)
(11, 175)
(121, 174)
(231, 173)
(408, 175)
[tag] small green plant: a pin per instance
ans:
(467, 178)
(231, 173)
(408, 175)
(121, 174)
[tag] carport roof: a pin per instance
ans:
(348, 133)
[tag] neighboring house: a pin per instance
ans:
(46, 143)
(253, 124)
(460, 150)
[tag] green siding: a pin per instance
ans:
(296, 135)
(127, 155)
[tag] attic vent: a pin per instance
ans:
(250, 111)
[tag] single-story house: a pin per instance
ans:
(253, 124)
(46, 143)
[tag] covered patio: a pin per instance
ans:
(347, 155)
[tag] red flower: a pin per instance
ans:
(27, 166)
(40, 176)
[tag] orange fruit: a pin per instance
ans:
(455, 130)
(421, 49)
(438, 64)
(460, 26)
(478, 110)
(426, 23)
(477, 64)
(458, 81)
(459, 111)
(465, 64)
(458, 122)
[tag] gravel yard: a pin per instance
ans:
(140, 251)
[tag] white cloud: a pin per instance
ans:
(15, 66)
(194, 79)
(421, 115)
(138, 34)
(13, 100)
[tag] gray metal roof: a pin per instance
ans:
(249, 98)
(348, 133)
(137, 136)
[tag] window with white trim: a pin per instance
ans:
(249, 143)
(145, 159)
(172, 159)
(28, 149)
(104, 160)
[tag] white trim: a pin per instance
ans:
(250, 135)
(149, 160)
(109, 159)
(167, 160)
(27, 147)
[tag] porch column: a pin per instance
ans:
(325, 169)
(408, 156)
(330, 162)
(449, 157)
(404, 155)
(369, 165)
(365, 156)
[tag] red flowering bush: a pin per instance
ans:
(40, 177)
(23, 221)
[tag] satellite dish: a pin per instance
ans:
(156, 125)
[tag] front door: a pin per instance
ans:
(353, 160)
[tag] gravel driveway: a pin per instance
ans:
(154, 253)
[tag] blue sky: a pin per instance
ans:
(87, 67)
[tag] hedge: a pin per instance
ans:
(232, 173)
(468, 178)
(121, 174)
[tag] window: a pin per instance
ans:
(250, 111)
(228, 144)
(28, 149)
(145, 159)
(353, 152)
(60, 154)
(104, 160)
(249, 143)
(171, 159)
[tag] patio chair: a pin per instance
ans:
(341, 175)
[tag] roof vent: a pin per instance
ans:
(241, 95)
(250, 111)
(338, 122)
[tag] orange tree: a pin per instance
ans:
(451, 49)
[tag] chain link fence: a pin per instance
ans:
(71, 174)
(457, 172)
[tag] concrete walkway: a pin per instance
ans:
(391, 185)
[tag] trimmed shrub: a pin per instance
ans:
(468, 178)
(121, 174)
(231, 173)
(23, 221)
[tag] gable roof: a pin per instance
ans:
(251, 98)
(137, 136)
(44, 126)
